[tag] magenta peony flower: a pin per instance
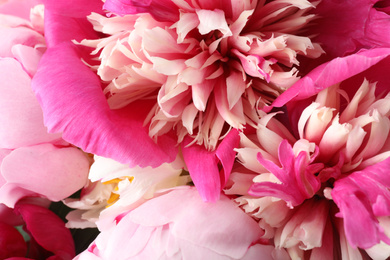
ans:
(32, 161)
(47, 236)
(179, 225)
(326, 179)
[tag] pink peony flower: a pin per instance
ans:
(47, 236)
(160, 229)
(215, 64)
(331, 159)
(32, 161)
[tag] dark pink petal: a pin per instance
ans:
(161, 10)
(344, 27)
(11, 242)
(205, 166)
(48, 230)
(73, 103)
(74, 8)
(361, 198)
(332, 72)
(8, 216)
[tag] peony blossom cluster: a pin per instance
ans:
(195, 129)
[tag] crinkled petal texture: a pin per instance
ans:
(42, 170)
(48, 230)
(72, 99)
(179, 225)
(363, 199)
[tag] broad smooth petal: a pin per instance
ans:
(344, 27)
(20, 8)
(203, 165)
(48, 230)
(72, 99)
(21, 117)
(44, 170)
(330, 73)
(11, 242)
(74, 8)
(160, 229)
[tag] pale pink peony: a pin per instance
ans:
(332, 158)
(179, 225)
(115, 189)
(32, 161)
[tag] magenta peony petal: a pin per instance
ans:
(11, 242)
(43, 170)
(203, 165)
(161, 10)
(332, 72)
(74, 8)
(362, 197)
(48, 230)
(71, 97)
(297, 178)
(21, 117)
(344, 27)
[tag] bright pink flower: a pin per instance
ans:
(32, 161)
(160, 229)
(48, 237)
(334, 154)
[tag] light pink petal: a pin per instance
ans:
(20, 114)
(11, 242)
(44, 170)
(19, 35)
(206, 176)
(27, 56)
(48, 230)
(211, 21)
(20, 8)
(188, 203)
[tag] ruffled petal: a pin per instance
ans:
(362, 197)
